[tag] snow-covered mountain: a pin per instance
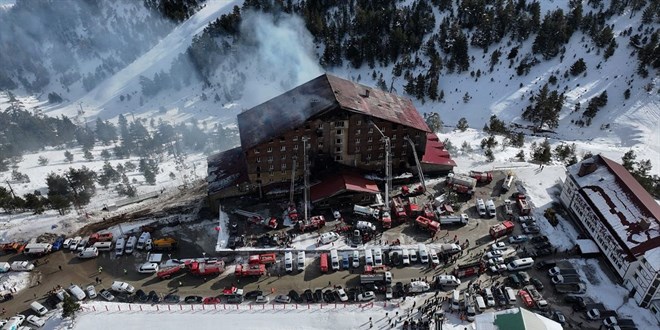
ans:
(282, 54)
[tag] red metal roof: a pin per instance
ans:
(435, 152)
(339, 183)
(377, 103)
(637, 192)
(317, 96)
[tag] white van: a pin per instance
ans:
(119, 246)
(103, 246)
(366, 211)
(148, 268)
(456, 300)
(334, 259)
(329, 237)
(38, 308)
(405, 257)
(67, 243)
(448, 280)
(73, 245)
(508, 182)
(481, 304)
(520, 264)
(130, 244)
(356, 259)
(142, 241)
(423, 254)
(481, 207)
(450, 248)
(490, 299)
(378, 257)
(37, 248)
(88, 253)
(510, 295)
(288, 261)
(13, 323)
(301, 261)
(412, 253)
(77, 292)
(368, 257)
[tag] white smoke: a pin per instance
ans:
(279, 54)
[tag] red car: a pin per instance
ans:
(211, 300)
(526, 298)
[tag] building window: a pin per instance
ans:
(258, 169)
(403, 152)
(295, 147)
(338, 141)
(258, 159)
(370, 139)
(282, 139)
(371, 130)
(369, 148)
(256, 151)
(283, 148)
(393, 137)
(339, 132)
(338, 149)
(320, 146)
(295, 138)
(320, 125)
(357, 141)
(270, 149)
(339, 124)
(270, 159)
(358, 132)
(283, 167)
(380, 155)
(359, 122)
(368, 157)
(283, 157)
(357, 149)
(271, 167)
(271, 173)
(338, 158)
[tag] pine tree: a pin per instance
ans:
(88, 155)
(462, 124)
(43, 161)
(68, 156)
(69, 307)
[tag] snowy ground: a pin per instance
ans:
(14, 282)
(100, 315)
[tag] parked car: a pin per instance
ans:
(107, 295)
(593, 314)
(308, 295)
(539, 239)
(342, 294)
(492, 254)
(318, 295)
(253, 294)
(537, 283)
(262, 299)
(518, 239)
(532, 230)
(545, 264)
(295, 297)
(171, 299)
(498, 246)
(119, 286)
(389, 292)
(141, 296)
(329, 296)
(559, 317)
(524, 277)
(211, 300)
(193, 300)
(77, 292)
(366, 296)
(154, 297)
(91, 292)
(283, 299)
(543, 245)
(35, 321)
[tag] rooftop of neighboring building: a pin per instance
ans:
(225, 169)
(435, 152)
(514, 319)
(630, 211)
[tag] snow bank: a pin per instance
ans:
(14, 282)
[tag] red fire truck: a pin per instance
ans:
(250, 270)
(427, 224)
(470, 269)
(266, 258)
(501, 229)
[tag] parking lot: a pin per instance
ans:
(198, 240)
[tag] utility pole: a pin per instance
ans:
(306, 177)
(293, 180)
(388, 166)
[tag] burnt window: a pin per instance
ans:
(338, 158)
(258, 159)
(256, 151)
(357, 141)
(270, 149)
(339, 132)
(338, 141)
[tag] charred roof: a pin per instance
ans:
(318, 96)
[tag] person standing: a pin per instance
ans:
(100, 269)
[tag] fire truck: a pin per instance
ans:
(398, 208)
(406, 192)
(427, 224)
(266, 259)
(99, 237)
(482, 177)
(166, 273)
(247, 270)
(469, 269)
(461, 183)
(314, 223)
(525, 209)
(207, 269)
(501, 229)
(386, 220)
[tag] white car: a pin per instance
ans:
(328, 237)
(91, 292)
(507, 207)
(499, 268)
(24, 266)
(284, 299)
(413, 255)
(498, 246)
(593, 314)
(119, 286)
(77, 292)
(262, 299)
(73, 245)
(342, 294)
(35, 321)
(435, 261)
(495, 261)
(367, 296)
(107, 295)
(356, 259)
(554, 271)
(518, 239)
(492, 254)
